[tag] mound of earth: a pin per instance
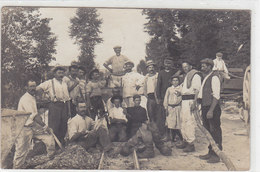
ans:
(72, 157)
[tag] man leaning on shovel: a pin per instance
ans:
(30, 130)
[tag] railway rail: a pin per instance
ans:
(127, 163)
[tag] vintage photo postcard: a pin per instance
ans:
(125, 88)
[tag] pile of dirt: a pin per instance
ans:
(72, 157)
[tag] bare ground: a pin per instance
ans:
(235, 145)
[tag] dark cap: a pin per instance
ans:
(207, 61)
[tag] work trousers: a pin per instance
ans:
(160, 118)
(152, 108)
(73, 110)
(213, 125)
(188, 123)
(100, 136)
(57, 119)
(142, 135)
(117, 132)
(23, 144)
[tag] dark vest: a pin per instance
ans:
(207, 91)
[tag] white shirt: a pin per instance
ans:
(61, 90)
(78, 124)
(110, 105)
(130, 81)
(117, 113)
(151, 82)
(215, 86)
(220, 65)
(195, 85)
(27, 103)
(74, 93)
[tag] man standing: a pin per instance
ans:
(211, 112)
(163, 83)
(82, 82)
(190, 90)
(117, 63)
(87, 132)
(131, 82)
(72, 82)
(27, 103)
(150, 83)
(57, 90)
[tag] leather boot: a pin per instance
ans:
(207, 156)
(214, 159)
(148, 152)
(189, 148)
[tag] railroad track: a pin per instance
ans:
(130, 162)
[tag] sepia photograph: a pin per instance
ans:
(94, 88)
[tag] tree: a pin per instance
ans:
(27, 48)
(197, 34)
(85, 29)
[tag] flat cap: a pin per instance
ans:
(207, 61)
(190, 62)
(117, 46)
(219, 54)
(149, 63)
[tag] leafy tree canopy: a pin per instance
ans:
(198, 34)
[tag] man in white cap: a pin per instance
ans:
(131, 83)
(150, 83)
(220, 65)
(117, 67)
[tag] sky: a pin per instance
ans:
(123, 27)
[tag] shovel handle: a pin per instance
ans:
(57, 140)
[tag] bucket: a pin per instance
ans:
(12, 122)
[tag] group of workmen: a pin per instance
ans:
(142, 112)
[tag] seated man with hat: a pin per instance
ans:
(219, 65)
(117, 67)
(117, 119)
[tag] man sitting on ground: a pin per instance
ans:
(86, 132)
(136, 115)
